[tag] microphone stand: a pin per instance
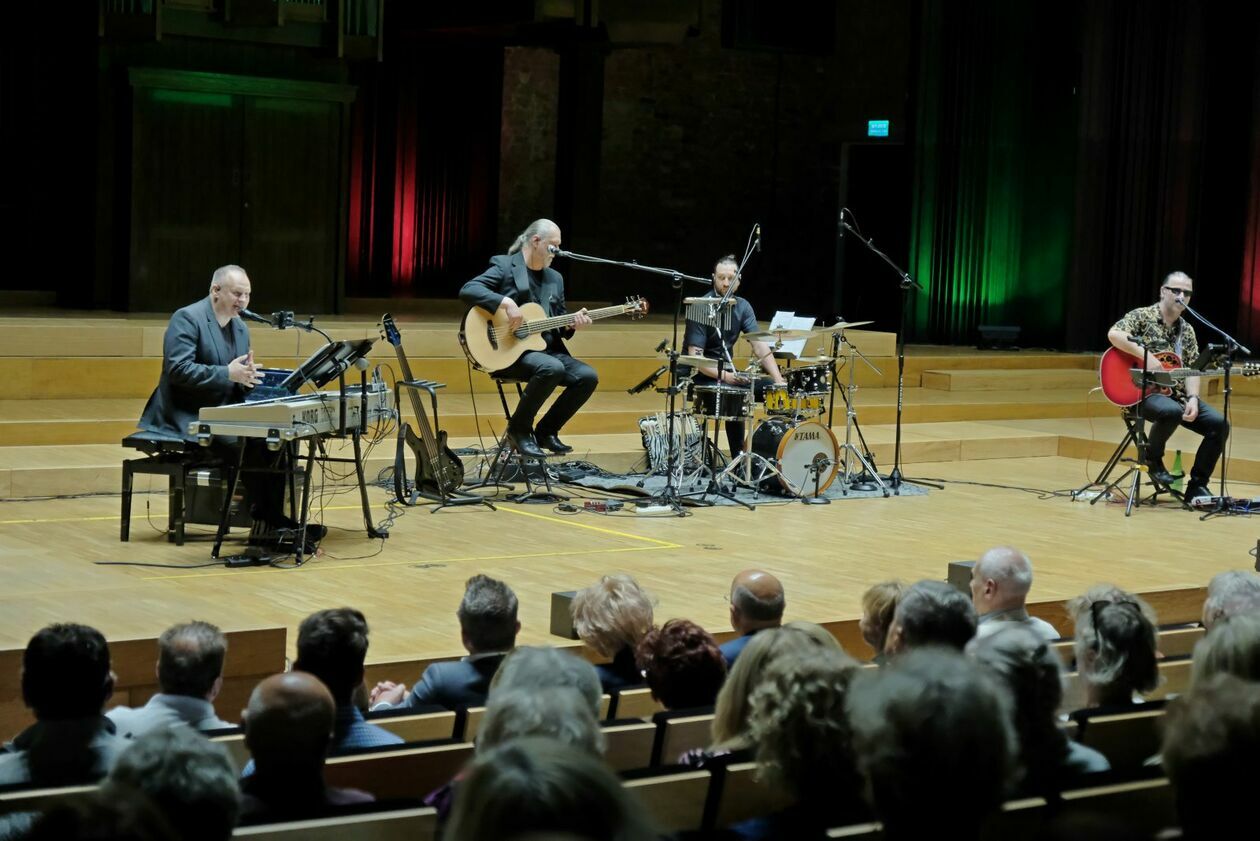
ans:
(1232, 346)
(905, 283)
(669, 494)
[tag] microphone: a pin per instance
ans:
(253, 316)
(757, 232)
(648, 381)
(662, 345)
(554, 250)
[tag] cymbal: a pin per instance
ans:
(696, 360)
(780, 335)
(837, 327)
(813, 360)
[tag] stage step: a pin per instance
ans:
(1040, 379)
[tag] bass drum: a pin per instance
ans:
(795, 449)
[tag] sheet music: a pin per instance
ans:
(791, 321)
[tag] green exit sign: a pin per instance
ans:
(876, 128)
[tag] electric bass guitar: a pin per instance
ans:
(1117, 382)
(437, 467)
(491, 345)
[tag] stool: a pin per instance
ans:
(507, 453)
(1135, 434)
(166, 456)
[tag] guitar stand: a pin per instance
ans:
(445, 496)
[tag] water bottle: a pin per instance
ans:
(1177, 471)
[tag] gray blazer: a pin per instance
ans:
(454, 684)
(194, 370)
(508, 276)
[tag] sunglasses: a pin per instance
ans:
(1179, 291)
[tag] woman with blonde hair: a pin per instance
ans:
(879, 603)
(1115, 645)
(612, 616)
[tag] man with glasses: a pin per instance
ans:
(1163, 330)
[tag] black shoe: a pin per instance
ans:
(524, 443)
(1159, 474)
(551, 441)
(1197, 494)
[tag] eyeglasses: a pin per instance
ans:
(1179, 291)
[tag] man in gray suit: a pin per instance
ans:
(207, 361)
(521, 276)
(488, 627)
(190, 675)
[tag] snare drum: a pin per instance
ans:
(795, 448)
(812, 379)
(723, 402)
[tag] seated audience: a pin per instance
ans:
(879, 603)
(757, 603)
(190, 780)
(542, 788)
(66, 681)
(189, 674)
(332, 645)
(1000, 581)
(730, 720)
(932, 736)
(931, 613)
(1211, 741)
(488, 628)
(804, 745)
(1231, 647)
(683, 665)
(288, 727)
(1031, 671)
(611, 616)
(533, 667)
(125, 816)
(1231, 593)
(1114, 646)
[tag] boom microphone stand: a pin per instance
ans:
(905, 284)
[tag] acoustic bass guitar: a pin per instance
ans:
(491, 345)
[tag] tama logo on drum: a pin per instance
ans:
(803, 435)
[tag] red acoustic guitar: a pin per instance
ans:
(1117, 383)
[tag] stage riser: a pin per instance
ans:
(1030, 380)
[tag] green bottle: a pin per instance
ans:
(1177, 471)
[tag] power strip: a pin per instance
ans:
(653, 509)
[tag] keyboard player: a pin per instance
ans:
(207, 361)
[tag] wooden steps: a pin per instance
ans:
(1022, 379)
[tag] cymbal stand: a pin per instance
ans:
(850, 480)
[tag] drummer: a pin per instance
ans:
(704, 340)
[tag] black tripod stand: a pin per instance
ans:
(905, 283)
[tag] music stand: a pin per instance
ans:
(327, 362)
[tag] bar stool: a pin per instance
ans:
(507, 453)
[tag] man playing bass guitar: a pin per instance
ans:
(1163, 330)
(524, 275)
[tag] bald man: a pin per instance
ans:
(1000, 582)
(757, 603)
(288, 726)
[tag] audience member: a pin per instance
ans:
(1031, 671)
(931, 613)
(612, 616)
(1211, 741)
(533, 667)
(189, 779)
(730, 720)
(1115, 645)
(558, 712)
(879, 603)
(288, 727)
(1000, 581)
(757, 603)
(1231, 647)
(683, 665)
(189, 674)
(932, 736)
(488, 627)
(1231, 593)
(332, 645)
(804, 745)
(66, 681)
(127, 815)
(541, 788)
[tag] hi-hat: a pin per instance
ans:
(696, 360)
(841, 325)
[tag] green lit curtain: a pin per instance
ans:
(993, 190)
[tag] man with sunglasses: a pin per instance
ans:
(1162, 329)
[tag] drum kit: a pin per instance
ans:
(787, 449)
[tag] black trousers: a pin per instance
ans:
(1164, 416)
(545, 371)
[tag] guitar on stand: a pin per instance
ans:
(491, 345)
(439, 472)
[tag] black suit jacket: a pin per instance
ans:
(507, 276)
(194, 370)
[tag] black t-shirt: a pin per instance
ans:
(743, 320)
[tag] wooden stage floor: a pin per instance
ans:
(410, 585)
